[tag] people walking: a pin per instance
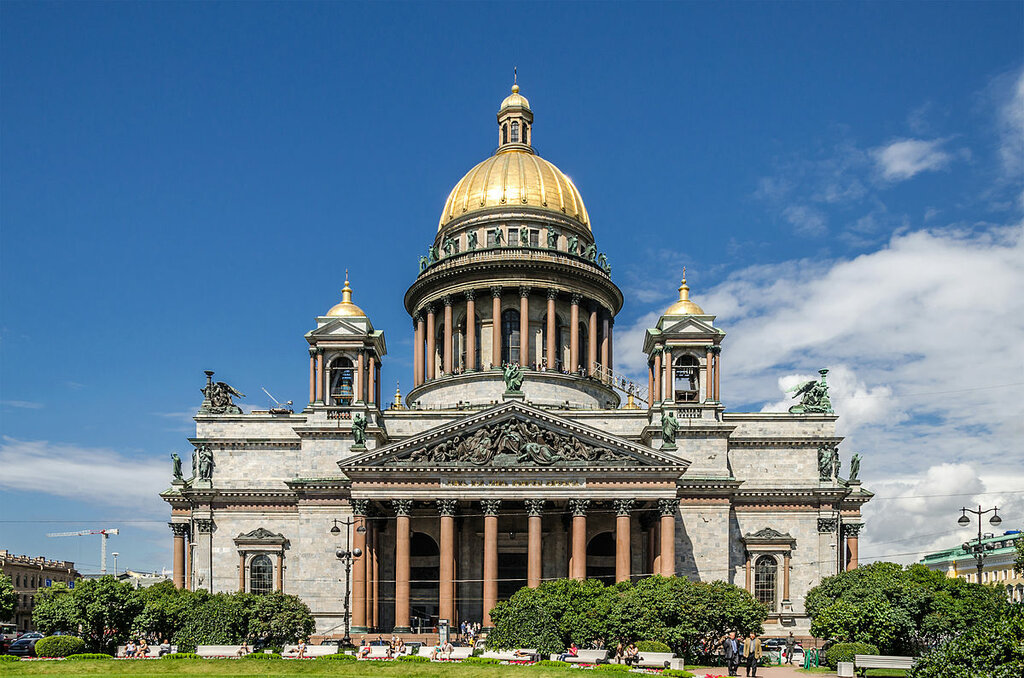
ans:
(732, 653)
(790, 646)
(752, 653)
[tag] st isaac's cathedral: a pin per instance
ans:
(520, 454)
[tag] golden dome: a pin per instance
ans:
(514, 177)
(346, 309)
(515, 100)
(684, 306)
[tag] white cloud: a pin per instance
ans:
(1011, 121)
(95, 475)
(904, 158)
(806, 220)
(22, 404)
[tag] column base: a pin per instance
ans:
(360, 629)
(401, 629)
(358, 447)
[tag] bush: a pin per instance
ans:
(676, 673)
(994, 651)
(181, 655)
(414, 658)
(339, 657)
(552, 664)
(613, 668)
(481, 660)
(59, 646)
(843, 652)
(261, 655)
(8, 658)
(652, 646)
(88, 655)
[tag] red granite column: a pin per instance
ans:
(312, 375)
(579, 537)
(371, 391)
(524, 327)
(668, 509)
(534, 557)
(551, 330)
(718, 375)
(241, 573)
(430, 344)
(417, 353)
(490, 510)
(447, 352)
(785, 576)
(375, 573)
(852, 538)
(279, 579)
(623, 509)
(657, 395)
(446, 571)
(669, 378)
(359, 507)
(179, 530)
(495, 327)
(360, 395)
(606, 346)
(470, 332)
(574, 333)
(650, 384)
(592, 341)
(748, 575)
(402, 509)
(319, 376)
(611, 344)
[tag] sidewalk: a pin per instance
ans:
(762, 672)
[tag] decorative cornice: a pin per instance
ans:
(623, 507)
(490, 507)
(578, 507)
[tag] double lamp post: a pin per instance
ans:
(347, 555)
(978, 549)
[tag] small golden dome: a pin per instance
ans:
(515, 100)
(514, 177)
(346, 309)
(684, 306)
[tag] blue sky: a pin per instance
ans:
(184, 185)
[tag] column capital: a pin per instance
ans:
(490, 507)
(417, 317)
(714, 349)
(359, 506)
(496, 291)
(470, 295)
(402, 507)
(446, 300)
(852, 529)
(575, 299)
(179, 529)
(314, 351)
(623, 507)
(429, 308)
(524, 291)
(668, 507)
(611, 320)
(578, 507)
(827, 524)
(656, 351)
(204, 526)
(534, 507)
(447, 507)
(552, 293)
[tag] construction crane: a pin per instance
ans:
(103, 542)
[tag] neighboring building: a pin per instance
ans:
(997, 565)
(142, 580)
(28, 575)
(480, 484)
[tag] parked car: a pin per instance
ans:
(25, 645)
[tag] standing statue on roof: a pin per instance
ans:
(359, 430)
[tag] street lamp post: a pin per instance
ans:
(978, 549)
(347, 556)
(115, 554)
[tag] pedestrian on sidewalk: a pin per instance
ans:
(752, 653)
(732, 653)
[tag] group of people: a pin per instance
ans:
(626, 654)
(468, 631)
(742, 650)
(141, 649)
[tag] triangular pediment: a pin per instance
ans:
(342, 327)
(688, 325)
(513, 435)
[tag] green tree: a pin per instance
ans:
(994, 650)
(164, 609)
(277, 618)
(901, 610)
(218, 619)
(1018, 565)
(7, 598)
(101, 611)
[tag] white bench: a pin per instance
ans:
(292, 651)
(863, 662)
(655, 660)
(586, 657)
(151, 651)
(209, 651)
(378, 652)
(525, 655)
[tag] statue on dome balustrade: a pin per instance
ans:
(552, 239)
(513, 375)
(449, 247)
(471, 239)
(424, 262)
(591, 252)
(499, 237)
(432, 255)
(574, 245)
(602, 261)
(524, 237)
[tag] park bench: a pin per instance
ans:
(525, 655)
(586, 657)
(378, 652)
(655, 660)
(209, 651)
(292, 651)
(863, 662)
(151, 651)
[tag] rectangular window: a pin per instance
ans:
(534, 238)
(456, 245)
(490, 238)
(513, 237)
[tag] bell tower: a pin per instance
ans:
(515, 122)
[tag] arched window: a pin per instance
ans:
(261, 575)
(510, 336)
(515, 132)
(341, 382)
(765, 575)
(687, 372)
(504, 134)
(526, 133)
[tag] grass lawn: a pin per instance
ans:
(893, 673)
(283, 667)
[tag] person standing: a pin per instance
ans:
(790, 646)
(732, 653)
(752, 653)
